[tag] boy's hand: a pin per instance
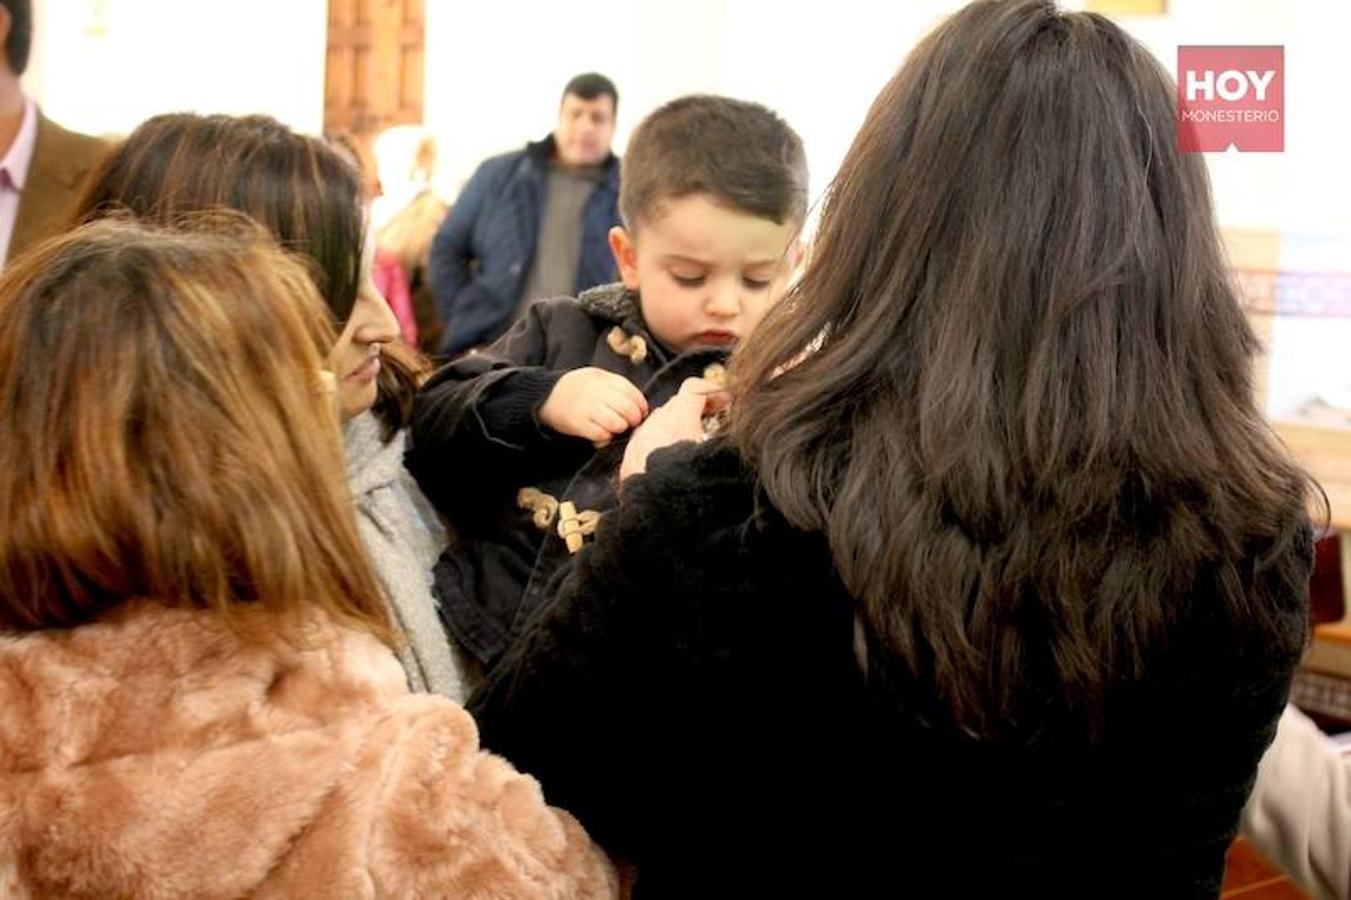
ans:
(594, 404)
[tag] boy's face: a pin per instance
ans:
(707, 273)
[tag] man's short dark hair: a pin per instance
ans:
(590, 85)
(20, 33)
(743, 155)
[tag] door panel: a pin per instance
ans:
(374, 69)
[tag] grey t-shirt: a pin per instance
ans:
(553, 272)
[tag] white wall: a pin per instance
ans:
(1309, 357)
(821, 65)
(495, 71)
(103, 66)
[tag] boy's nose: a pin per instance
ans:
(723, 300)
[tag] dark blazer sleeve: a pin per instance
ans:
(62, 163)
(475, 424)
(460, 299)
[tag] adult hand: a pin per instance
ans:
(679, 419)
(594, 404)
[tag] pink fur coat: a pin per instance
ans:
(157, 754)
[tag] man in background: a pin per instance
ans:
(42, 165)
(531, 224)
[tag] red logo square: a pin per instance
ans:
(1230, 96)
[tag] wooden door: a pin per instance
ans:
(374, 70)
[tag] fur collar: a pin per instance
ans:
(611, 302)
(149, 679)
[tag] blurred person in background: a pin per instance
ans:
(531, 224)
(387, 272)
(42, 164)
(406, 217)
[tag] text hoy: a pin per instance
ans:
(1230, 84)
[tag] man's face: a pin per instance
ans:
(585, 128)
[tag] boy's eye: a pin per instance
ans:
(688, 280)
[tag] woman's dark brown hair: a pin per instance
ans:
(1013, 386)
(168, 434)
(297, 187)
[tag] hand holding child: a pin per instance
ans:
(679, 419)
(594, 404)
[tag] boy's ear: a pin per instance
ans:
(626, 256)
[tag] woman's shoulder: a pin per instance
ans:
(713, 466)
(701, 525)
(704, 488)
(439, 791)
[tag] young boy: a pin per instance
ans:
(518, 445)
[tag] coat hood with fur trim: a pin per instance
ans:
(158, 754)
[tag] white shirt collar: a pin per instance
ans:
(20, 155)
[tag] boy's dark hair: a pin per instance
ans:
(590, 85)
(742, 154)
(20, 40)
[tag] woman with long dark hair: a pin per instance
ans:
(179, 165)
(995, 579)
